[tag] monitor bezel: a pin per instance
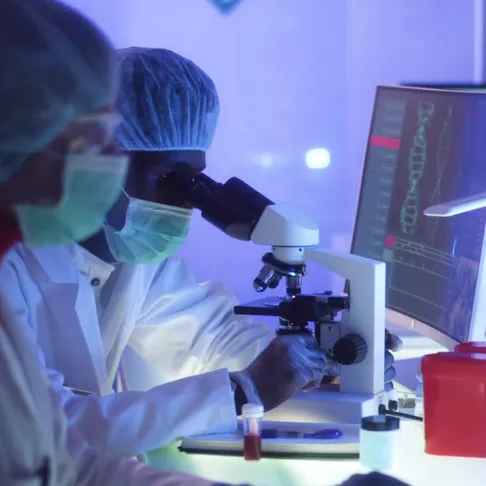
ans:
(477, 329)
(466, 87)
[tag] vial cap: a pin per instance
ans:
(252, 410)
(380, 423)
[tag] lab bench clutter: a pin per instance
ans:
(448, 447)
(427, 261)
(432, 283)
(85, 309)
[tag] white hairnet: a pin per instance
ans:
(166, 101)
(55, 65)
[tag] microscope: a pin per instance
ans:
(354, 344)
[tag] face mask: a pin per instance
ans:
(92, 184)
(152, 232)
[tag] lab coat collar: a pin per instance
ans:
(91, 266)
(47, 258)
(70, 309)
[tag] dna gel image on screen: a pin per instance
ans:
(425, 147)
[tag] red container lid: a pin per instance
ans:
(471, 347)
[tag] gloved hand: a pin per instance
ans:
(392, 343)
(288, 364)
(372, 479)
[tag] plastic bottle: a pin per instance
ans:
(252, 414)
(379, 442)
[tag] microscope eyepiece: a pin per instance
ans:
(233, 207)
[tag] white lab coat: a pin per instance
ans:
(32, 436)
(35, 437)
(156, 319)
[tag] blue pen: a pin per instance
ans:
(326, 434)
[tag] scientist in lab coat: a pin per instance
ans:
(58, 77)
(131, 318)
(40, 119)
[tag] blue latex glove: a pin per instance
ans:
(288, 364)
(292, 363)
(392, 343)
(372, 479)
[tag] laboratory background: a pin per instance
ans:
(297, 83)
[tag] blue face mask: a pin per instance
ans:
(152, 232)
(92, 184)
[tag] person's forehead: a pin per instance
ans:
(169, 161)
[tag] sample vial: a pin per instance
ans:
(379, 439)
(252, 414)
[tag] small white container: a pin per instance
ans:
(252, 414)
(379, 442)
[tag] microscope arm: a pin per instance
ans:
(365, 317)
(287, 231)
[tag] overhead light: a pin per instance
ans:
(265, 160)
(318, 158)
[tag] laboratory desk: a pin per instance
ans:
(415, 467)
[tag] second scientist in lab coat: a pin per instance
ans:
(51, 127)
(124, 314)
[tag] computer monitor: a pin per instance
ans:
(425, 147)
(448, 86)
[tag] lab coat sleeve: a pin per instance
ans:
(34, 430)
(104, 471)
(98, 469)
(125, 472)
(134, 422)
(94, 469)
(131, 423)
(32, 424)
(187, 327)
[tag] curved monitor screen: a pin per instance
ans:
(461, 87)
(425, 147)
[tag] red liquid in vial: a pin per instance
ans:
(252, 447)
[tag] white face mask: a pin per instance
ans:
(152, 232)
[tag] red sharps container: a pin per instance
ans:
(455, 404)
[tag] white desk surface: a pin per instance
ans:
(415, 467)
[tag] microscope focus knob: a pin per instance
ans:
(350, 349)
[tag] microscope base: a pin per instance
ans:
(327, 405)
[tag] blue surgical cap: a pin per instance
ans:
(55, 65)
(166, 101)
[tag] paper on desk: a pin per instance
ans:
(290, 440)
